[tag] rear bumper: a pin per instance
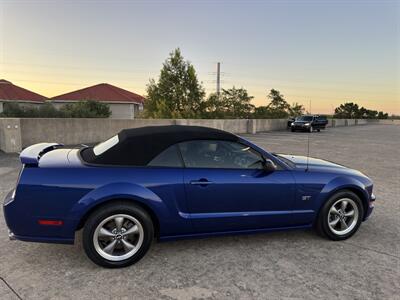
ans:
(24, 227)
(39, 239)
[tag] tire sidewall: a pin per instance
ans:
(323, 216)
(118, 208)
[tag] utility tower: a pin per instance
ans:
(218, 78)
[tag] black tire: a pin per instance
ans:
(310, 129)
(292, 129)
(318, 130)
(322, 224)
(116, 209)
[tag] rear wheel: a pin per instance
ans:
(341, 216)
(117, 235)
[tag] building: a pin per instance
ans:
(10, 93)
(123, 104)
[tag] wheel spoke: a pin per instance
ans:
(344, 205)
(334, 222)
(127, 246)
(343, 224)
(105, 233)
(110, 247)
(334, 210)
(133, 229)
(118, 222)
(350, 213)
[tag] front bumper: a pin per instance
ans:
(371, 205)
(300, 127)
(11, 235)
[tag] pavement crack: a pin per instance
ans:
(10, 287)
(373, 250)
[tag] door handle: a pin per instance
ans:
(202, 182)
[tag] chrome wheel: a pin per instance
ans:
(118, 237)
(343, 216)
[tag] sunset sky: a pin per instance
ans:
(326, 52)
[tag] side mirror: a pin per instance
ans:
(269, 166)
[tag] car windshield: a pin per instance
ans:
(304, 118)
(104, 146)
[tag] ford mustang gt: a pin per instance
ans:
(170, 182)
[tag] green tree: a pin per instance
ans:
(86, 109)
(47, 110)
(277, 101)
(348, 110)
(213, 107)
(351, 110)
(277, 107)
(178, 93)
(296, 109)
(236, 103)
(382, 115)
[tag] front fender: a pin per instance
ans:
(342, 183)
(121, 190)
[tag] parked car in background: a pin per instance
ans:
(171, 182)
(290, 120)
(309, 123)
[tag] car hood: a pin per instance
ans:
(317, 164)
(301, 122)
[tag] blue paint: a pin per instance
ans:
(56, 185)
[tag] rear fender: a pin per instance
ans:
(114, 191)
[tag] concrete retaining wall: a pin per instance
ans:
(16, 134)
(270, 124)
(231, 125)
(350, 122)
(76, 131)
(10, 135)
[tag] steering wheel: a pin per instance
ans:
(255, 163)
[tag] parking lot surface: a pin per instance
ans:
(280, 265)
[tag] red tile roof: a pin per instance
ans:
(101, 92)
(9, 91)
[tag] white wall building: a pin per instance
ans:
(123, 104)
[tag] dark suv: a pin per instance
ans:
(309, 123)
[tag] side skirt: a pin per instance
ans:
(224, 233)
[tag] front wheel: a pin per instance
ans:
(117, 235)
(341, 216)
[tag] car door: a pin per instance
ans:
(227, 188)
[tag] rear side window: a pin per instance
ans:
(168, 158)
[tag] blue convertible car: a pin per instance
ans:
(172, 182)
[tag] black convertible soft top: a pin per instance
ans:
(138, 146)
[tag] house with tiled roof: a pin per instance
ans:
(10, 93)
(123, 104)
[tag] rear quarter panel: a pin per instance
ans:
(69, 193)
